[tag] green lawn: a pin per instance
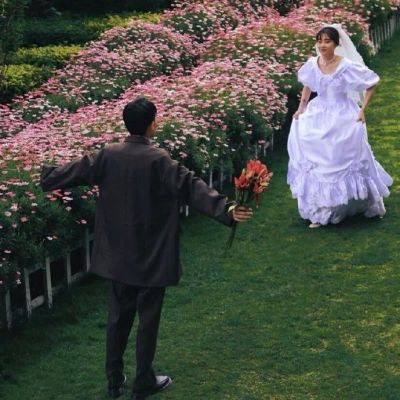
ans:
(290, 313)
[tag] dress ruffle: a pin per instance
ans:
(329, 202)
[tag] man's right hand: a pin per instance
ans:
(242, 213)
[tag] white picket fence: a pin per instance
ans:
(380, 33)
(19, 302)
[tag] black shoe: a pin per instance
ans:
(162, 382)
(115, 386)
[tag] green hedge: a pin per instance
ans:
(45, 7)
(50, 56)
(72, 30)
(19, 79)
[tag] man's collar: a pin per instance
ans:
(137, 139)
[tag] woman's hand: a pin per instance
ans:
(297, 113)
(361, 116)
(242, 214)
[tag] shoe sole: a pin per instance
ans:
(313, 226)
(142, 396)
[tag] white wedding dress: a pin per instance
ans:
(332, 170)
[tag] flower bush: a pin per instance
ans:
(309, 19)
(104, 70)
(283, 47)
(373, 11)
(230, 107)
(202, 19)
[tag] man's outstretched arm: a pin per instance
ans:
(75, 173)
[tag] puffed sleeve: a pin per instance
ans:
(358, 77)
(306, 75)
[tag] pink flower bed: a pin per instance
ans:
(202, 19)
(104, 70)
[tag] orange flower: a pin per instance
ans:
(242, 182)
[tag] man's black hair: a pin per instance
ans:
(138, 115)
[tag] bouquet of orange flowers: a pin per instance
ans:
(253, 181)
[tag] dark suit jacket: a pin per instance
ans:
(136, 237)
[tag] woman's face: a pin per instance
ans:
(326, 45)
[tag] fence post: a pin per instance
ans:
(48, 288)
(27, 293)
(7, 310)
(87, 250)
(221, 175)
(68, 269)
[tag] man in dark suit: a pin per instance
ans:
(136, 240)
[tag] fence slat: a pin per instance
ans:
(68, 269)
(87, 250)
(28, 297)
(48, 288)
(7, 309)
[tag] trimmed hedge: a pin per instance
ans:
(42, 7)
(73, 30)
(22, 78)
(50, 56)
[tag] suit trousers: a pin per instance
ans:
(125, 301)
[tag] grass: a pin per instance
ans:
(290, 313)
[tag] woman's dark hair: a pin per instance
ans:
(138, 115)
(331, 32)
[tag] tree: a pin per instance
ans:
(11, 31)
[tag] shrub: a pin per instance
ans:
(11, 23)
(21, 78)
(200, 20)
(309, 19)
(374, 11)
(86, 6)
(284, 48)
(50, 56)
(74, 30)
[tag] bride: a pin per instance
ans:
(332, 170)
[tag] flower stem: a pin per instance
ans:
(231, 236)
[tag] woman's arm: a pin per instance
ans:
(368, 95)
(305, 96)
